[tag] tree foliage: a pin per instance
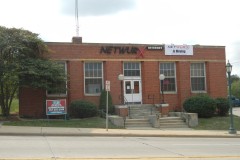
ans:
(234, 78)
(23, 62)
(236, 88)
(103, 102)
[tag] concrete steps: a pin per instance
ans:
(141, 111)
(137, 123)
(172, 122)
(139, 118)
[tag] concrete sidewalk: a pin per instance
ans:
(55, 131)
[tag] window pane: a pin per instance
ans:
(93, 77)
(169, 83)
(131, 69)
(93, 86)
(198, 77)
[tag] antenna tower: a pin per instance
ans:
(76, 18)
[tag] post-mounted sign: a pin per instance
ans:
(107, 87)
(56, 107)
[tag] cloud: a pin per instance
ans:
(96, 7)
(233, 55)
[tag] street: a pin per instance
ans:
(41, 147)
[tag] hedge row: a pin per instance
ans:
(206, 106)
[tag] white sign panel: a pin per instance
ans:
(107, 85)
(179, 50)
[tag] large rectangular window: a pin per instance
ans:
(59, 89)
(132, 69)
(169, 71)
(198, 77)
(93, 72)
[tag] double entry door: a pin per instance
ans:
(133, 91)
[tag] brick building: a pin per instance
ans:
(188, 70)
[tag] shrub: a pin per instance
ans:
(103, 102)
(204, 105)
(82, 109)
(222, 106)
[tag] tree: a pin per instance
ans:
(236, 88)
(234, 78)
(23, 62)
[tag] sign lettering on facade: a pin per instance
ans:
(178, 49)
(155, 47)
(118, 50)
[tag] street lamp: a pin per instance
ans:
(229, 70)
(121, 78)
(161, 78)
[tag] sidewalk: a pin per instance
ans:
(55, 131)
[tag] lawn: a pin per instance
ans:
(94, 122)
(217, 123)
(214, 123)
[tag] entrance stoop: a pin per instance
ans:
(139, 118)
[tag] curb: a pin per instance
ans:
(117, 135)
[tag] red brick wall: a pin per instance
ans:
(31, 100)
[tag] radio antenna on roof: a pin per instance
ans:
(76, 18)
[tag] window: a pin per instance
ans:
(169, 71)
(198, 77)
(93, 72)
(132, 69)
(59, 88)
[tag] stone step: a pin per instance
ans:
(141, 111)
(137, 123)
(172, 122)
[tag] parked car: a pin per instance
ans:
(235, 101)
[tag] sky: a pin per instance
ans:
(204, 22)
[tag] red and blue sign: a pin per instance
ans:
(56, 107)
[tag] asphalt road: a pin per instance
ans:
(41, 147)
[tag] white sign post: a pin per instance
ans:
(107, 87)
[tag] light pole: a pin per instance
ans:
(161, 78)
(229, 70)
(121, 78)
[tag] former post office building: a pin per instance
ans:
(134, 73)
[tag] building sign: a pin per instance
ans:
(178, 49)
(118, 50)
(139, 52)
(155, 47)
(56, 107)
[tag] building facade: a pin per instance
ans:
(187, 70)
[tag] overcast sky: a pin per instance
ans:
(204, 22)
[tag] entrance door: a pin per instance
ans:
(133, 91)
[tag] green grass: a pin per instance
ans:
(95, 122)
(217, 123)
(14, 107)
